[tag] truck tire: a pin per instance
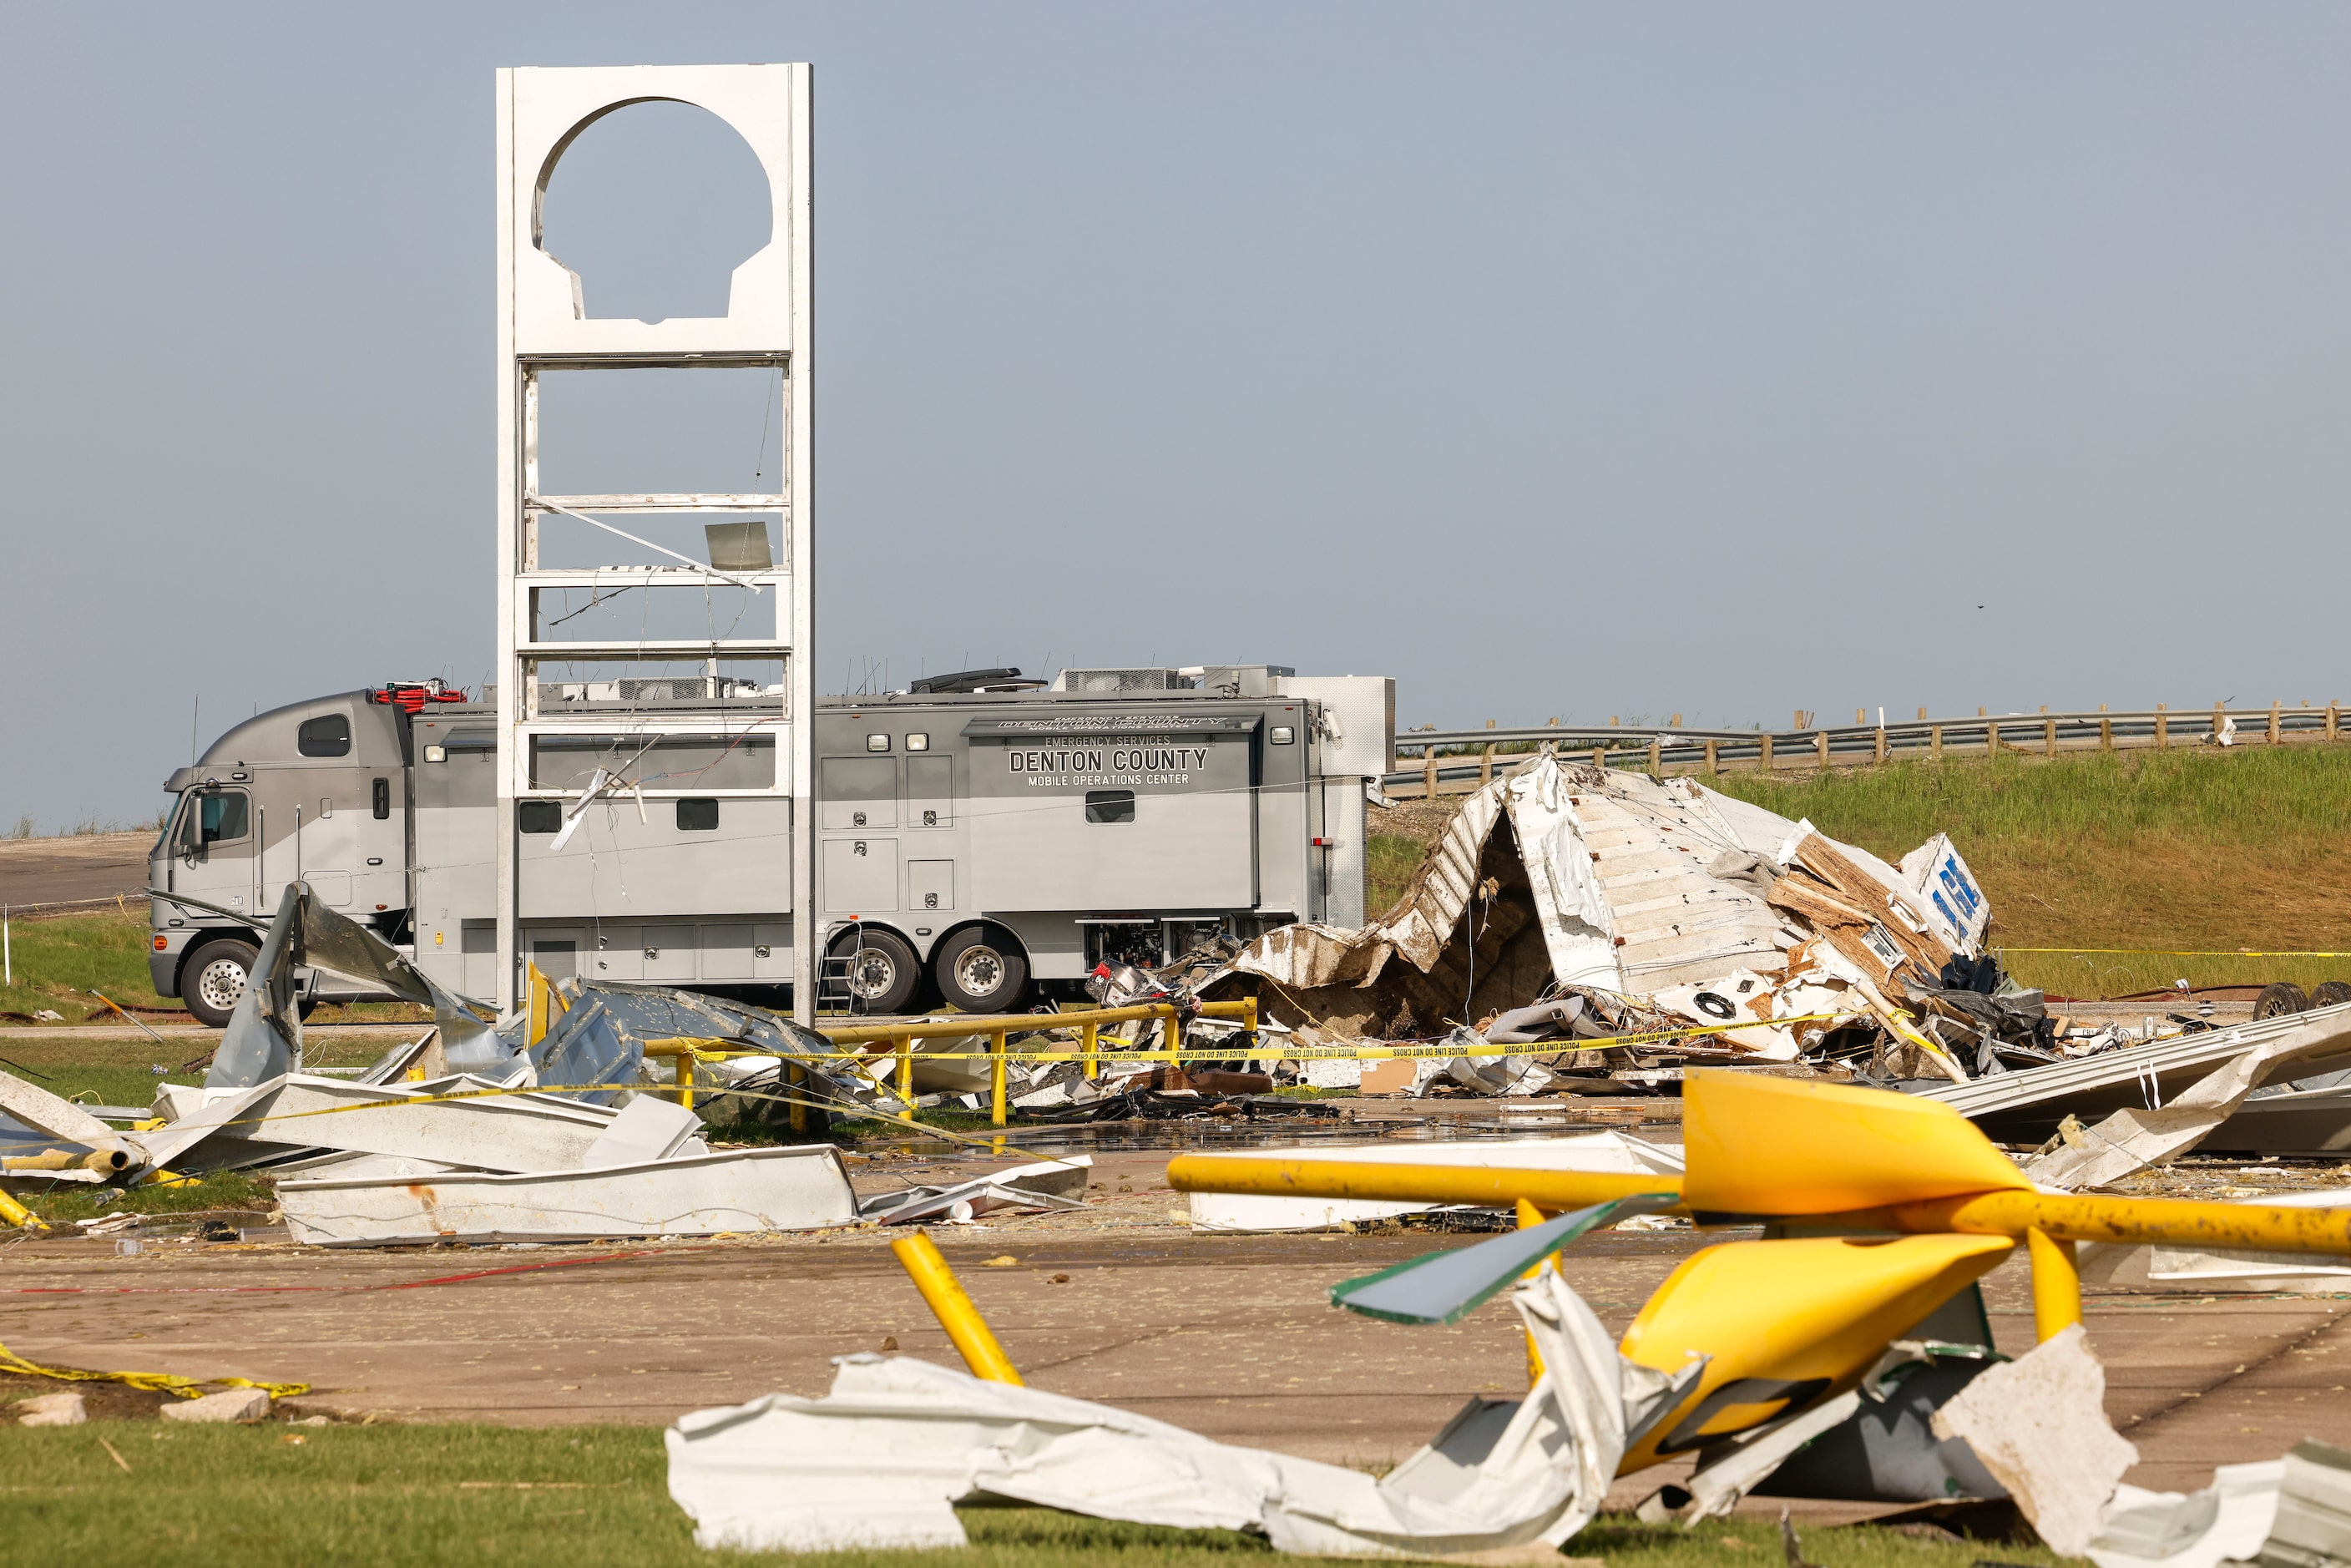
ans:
(882, 969)
(2331, 993)
(981, 970)
(215, 977)
(2280, 999)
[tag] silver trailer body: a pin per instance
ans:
(968, 846)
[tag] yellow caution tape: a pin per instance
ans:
(885, 1051)
(153, 1382)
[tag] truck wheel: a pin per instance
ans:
(882, 969)
(981, 970)
(2333, 993)
(216, 975)
(2280, 999)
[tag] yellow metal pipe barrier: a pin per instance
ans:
(2063, 1216)
(2056, 1285)
(944, 1293)
(987, 1023)
(1529, 1218)
(996, 1049)
(1089, 1046)
(906, 1070)
(1557, 1191)
(17, 1214)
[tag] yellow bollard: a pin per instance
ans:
(1529, 1218)
(1091, 1045)
(944, 1293)
(2056, 1285)
(685, 1077)
(996, 1049)
(906, 1068)
(1171, 1035)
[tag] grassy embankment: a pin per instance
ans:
(58, 959)
(579, 1497)
(2144, 851)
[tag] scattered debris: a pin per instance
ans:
(234, 1405)
(2290, 1512)
(801, 1188)
(66, 1409)
(1047, 1185)
(2039, 1425)
(1650, 923)
(880, 1461)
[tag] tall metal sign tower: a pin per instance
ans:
(564, 746)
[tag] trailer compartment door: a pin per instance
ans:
(1134, 810)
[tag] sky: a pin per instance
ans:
(1712, 360)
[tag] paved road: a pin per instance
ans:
(1227, 1335)
(74, 869)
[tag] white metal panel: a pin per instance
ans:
(801, 1188)
(860, 875)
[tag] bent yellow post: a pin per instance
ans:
(1529, 1218)
(2056, 1285)
(944, 1293)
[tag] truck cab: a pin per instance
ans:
(314, 791)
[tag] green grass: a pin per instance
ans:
(2179, 850)
(1389, 860)
(59, 958)
(64, 1203)
(585, 1497)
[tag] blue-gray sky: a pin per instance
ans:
(1720, 360)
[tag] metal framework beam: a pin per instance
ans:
(542, 326)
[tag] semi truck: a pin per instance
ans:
(977, 846)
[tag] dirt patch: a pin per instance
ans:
(104, 1401)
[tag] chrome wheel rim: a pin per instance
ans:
(872, 973)
(978, 970)
(220, 984)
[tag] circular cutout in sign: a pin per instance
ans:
(1713, 1006)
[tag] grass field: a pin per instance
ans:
(59, 960)
(583, 1497)
(2168, 850)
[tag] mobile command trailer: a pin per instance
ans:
(971, 847)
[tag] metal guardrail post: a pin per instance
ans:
(996, 1050)
(944, 1294)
